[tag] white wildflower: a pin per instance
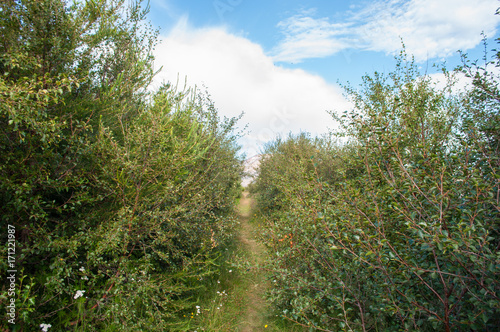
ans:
(85, 278)
(82, 269)
(78, 294)
(45, 327)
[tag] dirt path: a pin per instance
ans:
(255, 312)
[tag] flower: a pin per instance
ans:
(265, 326)
(230, 271)
(85, 278)
(78, 294)
(82, 269)
(45, 327)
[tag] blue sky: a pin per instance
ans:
(280, 61)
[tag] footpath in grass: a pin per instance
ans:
(254, 316)
(239, 303)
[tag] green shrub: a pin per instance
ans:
(397, 227)
(121, 198)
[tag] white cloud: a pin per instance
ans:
(429, 29)
(240, 77)
(306, 37)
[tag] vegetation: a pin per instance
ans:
(121, 198)
(236, 300)
(393, 223)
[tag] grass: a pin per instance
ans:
(234, 298)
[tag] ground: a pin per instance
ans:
(256, 309)
(240, 304)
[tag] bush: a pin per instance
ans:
(120, 198)
(397, 227)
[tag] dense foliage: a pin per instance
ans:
(120, 197)
(395, 224)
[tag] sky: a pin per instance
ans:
(283, 62)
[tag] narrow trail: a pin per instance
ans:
(255, 313)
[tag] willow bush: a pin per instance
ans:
(397, 226)
(121, 198)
